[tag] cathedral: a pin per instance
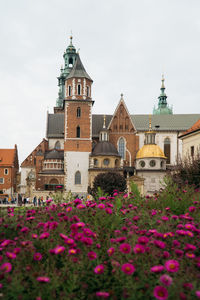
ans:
(79, 144)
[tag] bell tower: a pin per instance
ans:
(77, 127)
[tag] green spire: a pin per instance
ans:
(69, 61)
(163, 107)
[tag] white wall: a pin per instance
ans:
(153, 180)
(76, 161)
(189, 141)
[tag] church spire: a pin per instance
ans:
(69, 61)
(163, 108)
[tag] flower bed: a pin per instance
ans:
(120, 247)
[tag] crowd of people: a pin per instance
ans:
(23, 200)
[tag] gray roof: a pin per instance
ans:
(97, 123)
(56, 154)
(105, 148)
(78, 70)
(178, 122)
(55, 125)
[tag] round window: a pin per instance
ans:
(152, 163)
(162, 164)
(106, 161)
(142, 163)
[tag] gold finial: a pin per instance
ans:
(104, 121)
(71, 37)
(149, 122)
(122, 95)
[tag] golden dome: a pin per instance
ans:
(150, 150)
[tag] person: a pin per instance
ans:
(35, 201)
(39, 203)
(42, 201)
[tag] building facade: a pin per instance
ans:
(9, 169)
(66, 159)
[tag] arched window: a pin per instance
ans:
(57, 145)
(70, 62)
(69, 90)
(121, 147)
(79, 89)
(88, 91)
(167, 149)
(78, 177)
(78, 132)
(78, 112)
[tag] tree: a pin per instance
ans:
(108, 182)
(188, 172)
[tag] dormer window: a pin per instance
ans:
(69, 90)
(79, 89)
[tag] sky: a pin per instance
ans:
(125, 47)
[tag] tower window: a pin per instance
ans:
(78, 132)
(69, 90)
(6, 171)
(167, 149)
(192, 150)
(77, 177)
(88, 91)
(79, 89)
(78, 112)
(70, 62)
(121, 147)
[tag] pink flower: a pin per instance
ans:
(138, 249)
(11, 255)
(102, 294)
(37, 256)
(172, 266)
(125, 248)
(143, 240)
(34, 236)
(44, 235)
(99, 269)
(6, 267)
(157, 269)
(128, 269)
(160, 292)
(159, 244)
(108, 211)
(72, 251)
(43, 279)
(101, 206)
(166, 280)
(69, 208)
(197, 294)
(190, 255)
(110, 251)
(58, 249)
(92, 255)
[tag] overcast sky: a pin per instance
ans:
(125, 46)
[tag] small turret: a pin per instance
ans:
(163, 107)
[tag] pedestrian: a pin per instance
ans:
(35, 201)
(39, 203)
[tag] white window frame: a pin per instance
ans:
(2, 180)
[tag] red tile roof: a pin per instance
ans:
(195, 127)
(7, 157)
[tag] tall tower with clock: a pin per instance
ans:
(77, 127)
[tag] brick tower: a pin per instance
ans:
(78, 128)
